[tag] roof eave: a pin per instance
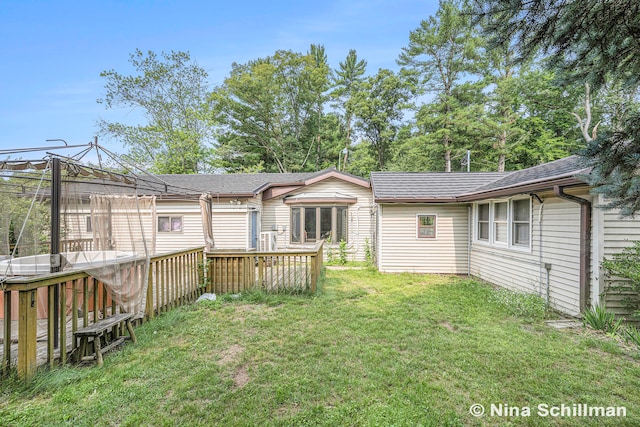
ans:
(415, 200)
(526, 187)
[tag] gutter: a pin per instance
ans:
(585, 242)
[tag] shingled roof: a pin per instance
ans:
(250, 184)
(427, 186)
(237, 184)
(450, 187)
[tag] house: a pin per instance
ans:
(537, 230)
(266, 211)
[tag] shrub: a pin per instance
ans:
(632, 334)
(368, 253)
(625, 266)
(342, 251)
(598, 318)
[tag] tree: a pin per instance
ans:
(443, 51)
(172, 92)
(378, 104)
(594, 41)
(269, 113)
(347, 77)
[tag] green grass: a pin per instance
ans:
(369, 349)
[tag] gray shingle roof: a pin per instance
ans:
(433, 186)
(428, 185)
(241, 183)
(569, 166)
(237, 183)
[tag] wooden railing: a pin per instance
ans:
(286, 270)
(174, 279)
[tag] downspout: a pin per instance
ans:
(585, 242)
(469, 238)
(540, 247)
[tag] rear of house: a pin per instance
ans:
(537, 230)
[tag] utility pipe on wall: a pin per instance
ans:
(585, 242)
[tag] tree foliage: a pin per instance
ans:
(593, 41)
(443, 51)
(269, 113)
(172, 93)
(378, 104)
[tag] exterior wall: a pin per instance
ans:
(555, 237)
(614, 234)
(276, 215)
(191, 234)
(400, 250)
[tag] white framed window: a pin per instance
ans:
(521, 222)
(483, 221)
(312, 223)
(504, 223)
(89, 227)
(426, 226)
(169, 224)
(500, 222)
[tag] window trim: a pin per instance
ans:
(317, 207)
(171, 219)
(435, 226)
(491, 241)
(488, 222)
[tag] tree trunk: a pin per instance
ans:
(502, 143)
(447, 159)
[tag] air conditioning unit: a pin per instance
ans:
(268, 241)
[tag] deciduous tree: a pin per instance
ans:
(171, 91)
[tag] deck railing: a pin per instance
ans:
(285, 270)
(174, 279)
(30, 329)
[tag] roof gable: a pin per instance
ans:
(251, 184)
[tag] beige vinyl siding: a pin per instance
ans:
(230, 227)
(524, 270)
(616, 233)
(277, 214)
(400, 250)
(191, 234)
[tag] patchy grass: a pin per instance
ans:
(370, 349)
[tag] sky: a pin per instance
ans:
(52, 52)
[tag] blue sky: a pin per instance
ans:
(53, 52)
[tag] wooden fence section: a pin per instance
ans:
(233, 272)
(174, 279)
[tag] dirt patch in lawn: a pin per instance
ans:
(241, 376)
(230, 355)
(448, 326)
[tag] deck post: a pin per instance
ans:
(27, 328)
(6, 357)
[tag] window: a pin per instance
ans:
(169, 224)
(506, 223)
(521, 213)
(426, 226)
(500, 224)
(295, 225)
(311, 223)
(88, 223)
(483, 221)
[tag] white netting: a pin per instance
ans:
(106, 228)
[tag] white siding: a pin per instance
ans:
(191, 234)
(400, 250)
(615, 234)
(230, 229)
(555, 241)
(276, 214)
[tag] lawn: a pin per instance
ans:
(369, 349)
